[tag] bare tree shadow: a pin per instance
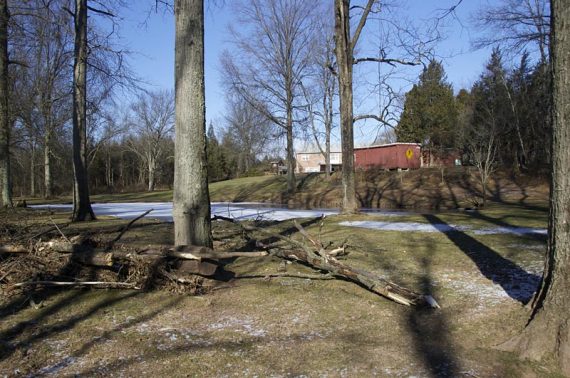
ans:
(430, 332)
(515, 281)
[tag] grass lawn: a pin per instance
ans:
(292, 326)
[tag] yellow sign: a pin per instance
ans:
(409, 153)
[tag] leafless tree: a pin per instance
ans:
(48, 41)
(414, 48)
(249, 131)
(482, 149)
(517, 25)
(153, 123)
(271, 61)
(547, 334)
(5, 126)
(191, 211)
(81, 204)
(321, 91)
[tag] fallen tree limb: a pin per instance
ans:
(83, 251)
(320, 259)
(288, 275)
(100, 284)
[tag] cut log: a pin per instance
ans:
(202, 268)
(13, 248)
(94, 258)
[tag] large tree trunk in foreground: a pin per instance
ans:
(345, 58)
(548, 333)
(191, 211)
(81, 204)
(5, 183)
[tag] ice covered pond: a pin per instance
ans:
(262, 211)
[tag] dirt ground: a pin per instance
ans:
(283, 327)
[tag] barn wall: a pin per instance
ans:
(392, 156)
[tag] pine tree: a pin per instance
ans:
(430, 112)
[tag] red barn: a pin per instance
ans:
(388, 156)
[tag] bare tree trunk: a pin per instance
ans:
(81, 204)
(345, 58)
(151, 173)
(5, 179)
(109, 169)
(48, 183)
(547, 335)
(32, 169)
(191, 211)
(291, 185)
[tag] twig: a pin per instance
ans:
(46, 231)
(62, 234)
(125, 229)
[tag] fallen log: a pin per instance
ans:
(98, 284)
(318, 258)
(13, 248)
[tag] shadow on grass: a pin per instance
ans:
(430, 331)
(515, 281)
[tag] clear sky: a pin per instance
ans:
(150, 35)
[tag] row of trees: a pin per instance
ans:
(505, 109)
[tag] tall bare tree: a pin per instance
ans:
(547, 334)
(321, 91)
(248, 130)
(81, 203)
(154, 124)
(517, 25)
(271, 62)
(5, 184)
(344, 50)
(191, 211)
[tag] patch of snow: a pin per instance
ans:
(245, 325)
(511, 230)
(55, 368)
(404, 226)
(241, 211)
(440, 227)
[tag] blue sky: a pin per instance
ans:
(150, 35)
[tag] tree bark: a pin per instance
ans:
(81, 204)
(547, 334)
(345, 60)
(191, 211)
(291, 184)
(32, 168)
(151, 173)
(48, 183)
(5, 179)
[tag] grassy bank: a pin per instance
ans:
(418, 189)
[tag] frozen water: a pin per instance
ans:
(261, 211)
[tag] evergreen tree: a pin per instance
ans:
(430, 113)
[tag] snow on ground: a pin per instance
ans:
(440, 227)
(261, 211)
(163, 210)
